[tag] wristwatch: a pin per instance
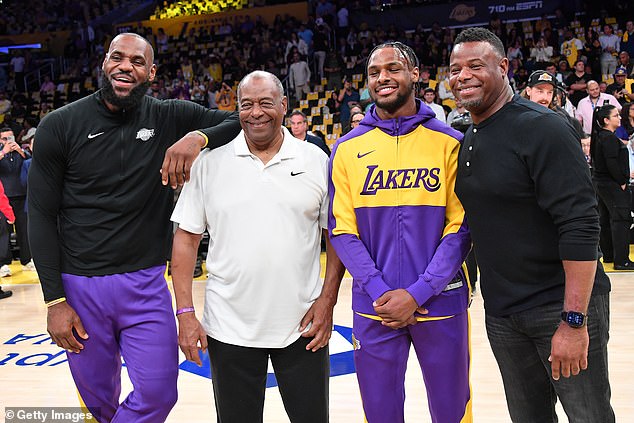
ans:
(574, 319)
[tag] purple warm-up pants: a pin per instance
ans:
(442, 349)
(126, 315)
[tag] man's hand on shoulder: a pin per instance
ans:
(179, 159)
(61, 320)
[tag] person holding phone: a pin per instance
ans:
(11, 158)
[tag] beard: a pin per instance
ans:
(471, 105)
(130, 101)
(391, 106)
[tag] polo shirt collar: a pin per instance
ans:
(288, 150)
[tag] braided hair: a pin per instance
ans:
(405, 50)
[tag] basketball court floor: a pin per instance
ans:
(34, 372)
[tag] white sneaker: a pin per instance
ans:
(5, 271)
(30, 266)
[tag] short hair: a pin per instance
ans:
(298, 113)
(404, 49)
(259, 74)
(478, 34)
(6, 129)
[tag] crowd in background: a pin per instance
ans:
(205, 63)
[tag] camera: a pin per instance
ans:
(462, 122)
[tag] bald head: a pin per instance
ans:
(593, 89)
(121, 38)
(260, 75)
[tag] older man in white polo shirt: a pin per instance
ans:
(263, 198)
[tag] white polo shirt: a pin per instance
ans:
(264, 225)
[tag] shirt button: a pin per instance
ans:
(470, 147)
(475, 130)
(468, 164)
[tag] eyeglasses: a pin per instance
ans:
(357, 121)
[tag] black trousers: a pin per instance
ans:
(5, 242)
(615, 217)
(21, 231)
(239, 381)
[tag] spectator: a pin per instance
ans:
(594, 99)
(299, 129)
(320, 47)
(429, 97)
(333, 69)
(295, 43)
(347, 96)
(157, 91)
(48, 87)
(7, 217)
(334, 107)
(625, 132)
(425, 81)
(5, 103)
(552, 69)
(162, 41)
(627, 42)
(625, 62)
(571, 48)
(564, 69)
(299, 77)
(592, 51)
(27, 133)
(577, 83)
(226, 98)
(355, 119)
(445, 95)
(18, 64)
(342, 19)
(542, 52)
(610, 160)
(11, 157)
(611, 46)
(618, 89)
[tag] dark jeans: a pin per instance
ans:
(521, 345)
(239, 381)
(615, 217)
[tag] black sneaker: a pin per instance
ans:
(5, 294)
(628, 265)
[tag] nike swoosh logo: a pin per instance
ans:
(91, 136)
(296, 173)
(359, 155)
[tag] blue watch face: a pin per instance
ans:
(574, 318)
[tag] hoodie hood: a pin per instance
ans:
(402, 125)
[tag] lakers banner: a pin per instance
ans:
(458, 14)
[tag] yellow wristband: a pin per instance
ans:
(202, 134)
(55, 302)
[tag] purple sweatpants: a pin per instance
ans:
(127, 315)
(442, 349)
